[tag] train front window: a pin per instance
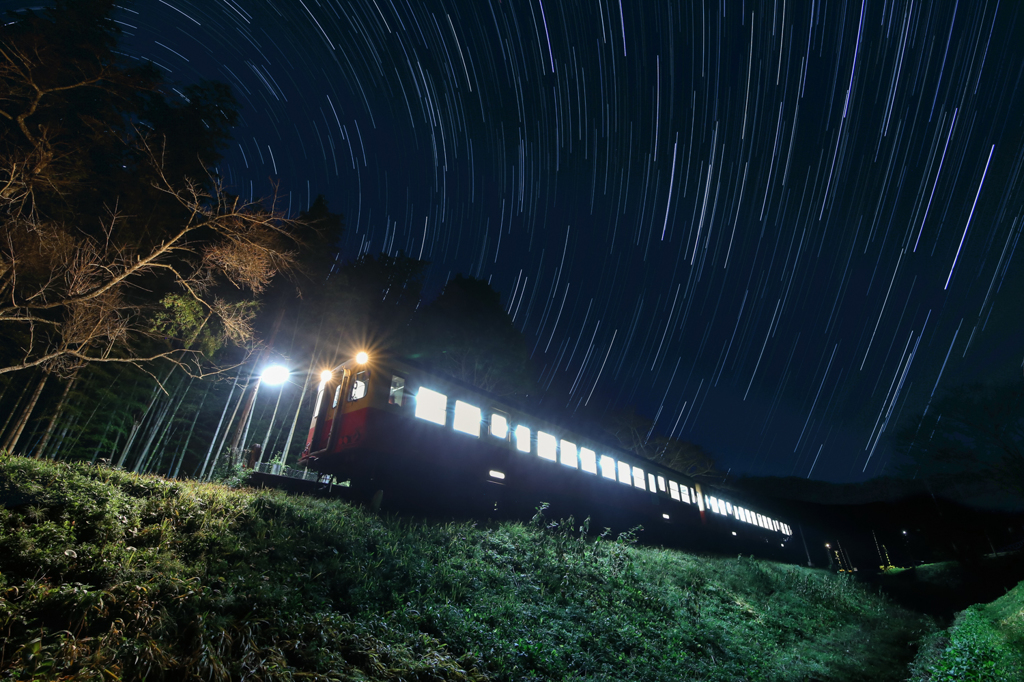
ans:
(523, 438)
(467, 418)
(359, 386)
(569, 454)
(608, 467)
(319, 399)
(588, 460)
(431, 406)
(650, 483)
(337, 396)
(499, 425)
(397, 392)
(661, 483)
(547, 446)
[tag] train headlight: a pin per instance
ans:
(362, 358)
(326, 375)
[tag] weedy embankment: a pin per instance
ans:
(109, 575)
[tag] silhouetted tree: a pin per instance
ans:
(466, 333)
(974, 433)
(367, 304)
(635, 433)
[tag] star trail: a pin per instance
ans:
(778, 228)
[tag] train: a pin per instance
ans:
(405, 439)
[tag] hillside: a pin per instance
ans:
(108, 575)
(984, 643)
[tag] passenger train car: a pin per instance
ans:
(413, 441)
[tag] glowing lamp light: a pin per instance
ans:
(275, 374)
(326, 375)
(362, 358)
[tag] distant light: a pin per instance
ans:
(665, 516)
(496, 474)
(904, 532)
(326, 375)
(828, 545)
(362, 358)
(275, 374)
(734, 532)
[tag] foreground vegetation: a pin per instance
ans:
(985, 644)
(110, 575)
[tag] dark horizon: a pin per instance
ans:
(777, 229)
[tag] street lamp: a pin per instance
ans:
(273, 375)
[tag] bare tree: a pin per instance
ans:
(72, 298)
(152, 260)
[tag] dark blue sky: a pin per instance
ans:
(773, 225)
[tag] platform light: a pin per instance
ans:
(734, 532)
(326, 375)
(496, 474)
(665, 516)
(275, 375)
(362, 358)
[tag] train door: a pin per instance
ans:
(352, 412)
(326, 413)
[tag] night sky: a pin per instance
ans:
(779, 227)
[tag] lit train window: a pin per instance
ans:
(673, 490)
(713, 503)
(588, 460)
(499, 425)
(748, 516)
(625, 476)
(359, 386)
(431, 406)
(651, 485)
(397, 390)
(638, 478)
(467, 418)
(569, 455)
(608, 467)
(728, 507)
(661, 483)
(523, 438)
(547, 446)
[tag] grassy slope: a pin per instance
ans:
(985, 644)
(107, 575)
